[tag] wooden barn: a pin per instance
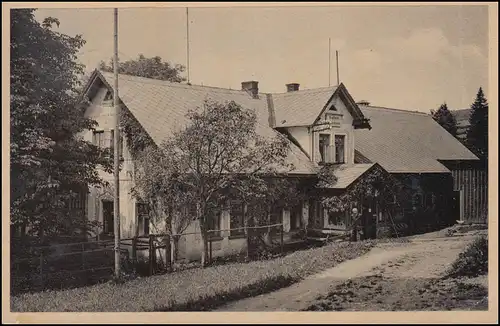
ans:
(448, 181)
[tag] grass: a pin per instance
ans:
(473, 261)
(194, 289)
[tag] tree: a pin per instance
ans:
(477, 134)
(217, 156)
(445, 118)
(147, 67)
(50, 163)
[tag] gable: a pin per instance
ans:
(304, 108)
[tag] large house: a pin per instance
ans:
(358, 139)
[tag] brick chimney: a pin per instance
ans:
(363, 102)
(252, 88)
(292, 87)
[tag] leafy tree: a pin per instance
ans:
(147, 67)
(445, 118)
(477, 134)
(50, 165)
(218, 156)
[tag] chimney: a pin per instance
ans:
(363, 102)
(292, 87)
(252, 88)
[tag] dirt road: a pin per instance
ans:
(389, 270)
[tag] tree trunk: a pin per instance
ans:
(204, 236)
(174, 256)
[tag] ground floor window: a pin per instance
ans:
(142, 212)
(108, 217)
(316, 213)
(214, 221)
(275, 217)
(237, 218)
(296, 217)
(337, 219)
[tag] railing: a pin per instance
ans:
(85, 263)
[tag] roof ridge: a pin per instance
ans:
(393, 109)
(175, 84)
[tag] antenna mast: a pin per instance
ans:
(187, 45)
(329, 62)
(338, 79)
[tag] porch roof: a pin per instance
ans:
(348, 173)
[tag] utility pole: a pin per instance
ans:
(116, 156)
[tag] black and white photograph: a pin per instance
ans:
(250, 157)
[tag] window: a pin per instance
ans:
(214, 218)
(98, 138)
(275, 217)
(296, 217)
(237, 217)
(108, 96)
(142, 211)
(324, 148)
(108, 217)
(339, 149)
(336, 219)
(191, 211)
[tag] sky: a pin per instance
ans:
(406, 57)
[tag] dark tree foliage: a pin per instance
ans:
(477, 134)
(50, 163)
(153, 68)
(445, 118)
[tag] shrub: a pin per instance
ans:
(473, 261)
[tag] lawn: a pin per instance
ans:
(194, 289)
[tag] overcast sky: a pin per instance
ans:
(403, 57)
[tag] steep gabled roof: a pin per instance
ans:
(303, 108)
(160, 107)
(408, 142)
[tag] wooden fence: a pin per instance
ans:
(85, 263)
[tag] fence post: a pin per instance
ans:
(151, 254)
(210, 246)
(281, 237)
(134, 253)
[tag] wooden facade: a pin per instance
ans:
(470, 181)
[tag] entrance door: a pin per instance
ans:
(108, 217)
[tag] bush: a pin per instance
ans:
(473, 261)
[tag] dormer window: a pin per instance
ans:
(325, 149)
(339, 149)
(108, 96)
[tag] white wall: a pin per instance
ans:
(310, 141)
(104, 115)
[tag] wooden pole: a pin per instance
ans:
(337, 58)
(151, 254)
(187, 45)
(116, 166)
(329, 62)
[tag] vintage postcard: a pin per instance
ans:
(260, 161)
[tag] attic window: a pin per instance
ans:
(109, 96)
(332, 108)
